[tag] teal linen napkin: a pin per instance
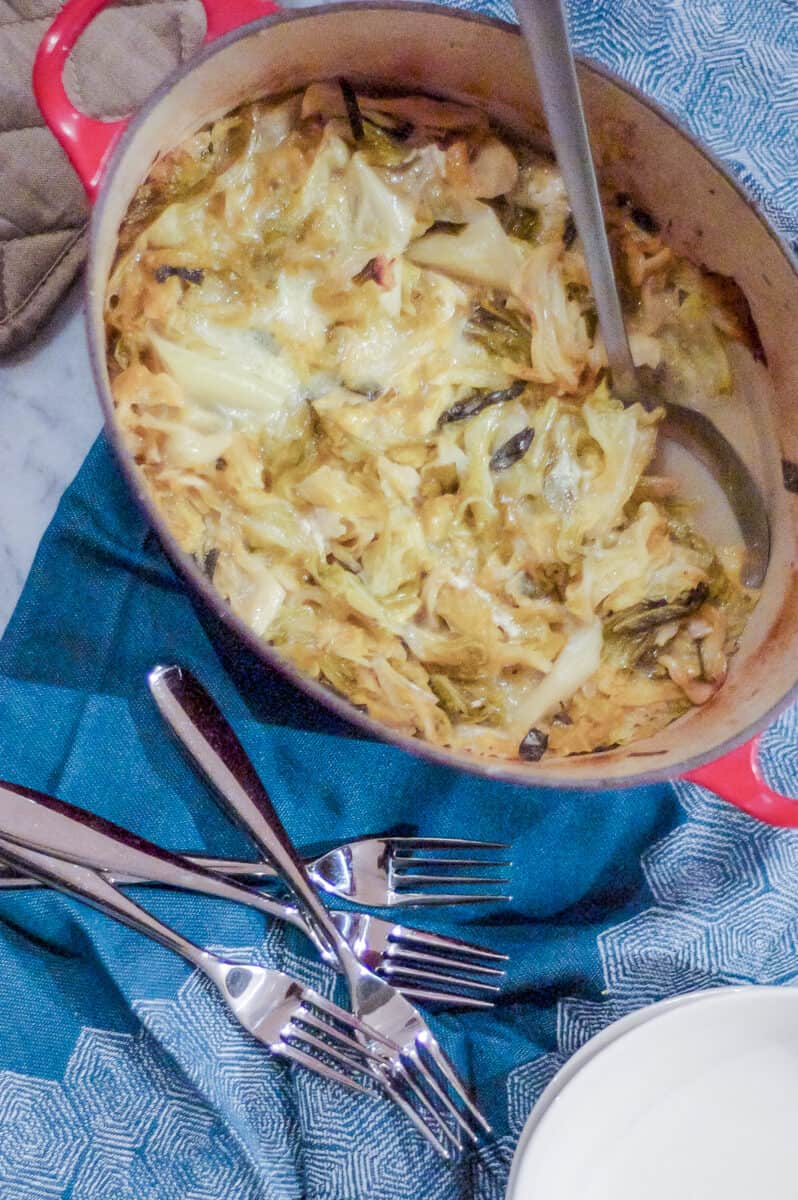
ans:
(101, 607)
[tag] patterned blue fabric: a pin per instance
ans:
(121, 1076)
(726, 68)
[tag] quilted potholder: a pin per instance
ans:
(43, 210)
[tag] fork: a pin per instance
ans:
(425, 966)
(383, 872)
(79, 852)
(292, 1020)
(415, 1069)
(372, 871)
(379, 872)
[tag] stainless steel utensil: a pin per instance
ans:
(392, 872)
(545, 28)
(415, 1067)
(76, 851)
(292, 1020)
(373, 871)
(426, 966)
(377, 872)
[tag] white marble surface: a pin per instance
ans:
(49, 417)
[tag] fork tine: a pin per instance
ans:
(420, 843)
(437, 941)
(432, 898)
(440, 1092)
(440, 960)
(403, 878)
(297, 1034)
(300, 1037)
(286, 1050)
(391, 969)
(401, 1072)
(450, 999)
(343, 1039)
(432, 1047)
(437, 861)
(295, 1052)
(420, 1123)
(350, 1020)
(347, 1018)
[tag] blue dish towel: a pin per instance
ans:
(121, 1077)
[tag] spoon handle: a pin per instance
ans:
(545, 29)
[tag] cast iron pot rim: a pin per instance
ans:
(494, 769)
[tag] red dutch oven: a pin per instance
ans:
(252, 49)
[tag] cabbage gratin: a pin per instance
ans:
(354, 353)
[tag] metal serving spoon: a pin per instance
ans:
(545, 28)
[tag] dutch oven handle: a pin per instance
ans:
(87, 141)
(737, 777)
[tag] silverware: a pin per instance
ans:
(545, 28)
(377, 872)
(426, 966)
(389, 872)
(416, 1072)
(292, 1020)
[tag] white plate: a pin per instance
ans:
(575, 1064)
(692, 1099)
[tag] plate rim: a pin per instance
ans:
(600, 1042)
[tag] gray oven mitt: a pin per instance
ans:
(43, 210)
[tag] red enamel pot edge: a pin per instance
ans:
(730, 768)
